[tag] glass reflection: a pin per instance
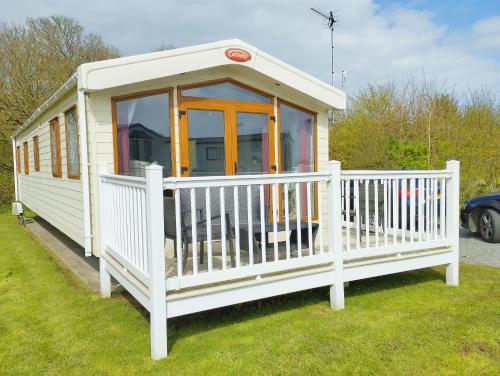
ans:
(206, 142)
(226, 90)
(297, 151)
(143, 134)
(253, 143)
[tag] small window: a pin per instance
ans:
(18, 159)
(36, 153)
(55, 148)
(148, 150)
(134, 149)
(215, 154)
(26, 158)
(227, 91)
(72, 146)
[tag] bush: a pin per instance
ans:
(419, 127)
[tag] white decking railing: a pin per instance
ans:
(396, 211)
(326, 228)
(124, 231)
(245, 224)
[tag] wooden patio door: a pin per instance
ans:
(226, 138)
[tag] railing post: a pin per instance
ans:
(452, 220)
(104, 276)
(156, 261)
(335, 235)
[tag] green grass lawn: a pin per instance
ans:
(410, 323)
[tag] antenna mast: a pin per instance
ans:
(331, 21)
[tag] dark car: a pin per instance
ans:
(482, 214)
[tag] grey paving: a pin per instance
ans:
(70, 253)
(474, 250)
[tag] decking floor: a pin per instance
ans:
(217, 259)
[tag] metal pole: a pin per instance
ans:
(333, 73)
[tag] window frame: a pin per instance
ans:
(230, 107)
(36, 152)
(142, 94)
(26, 158)
(186, 98)
(54, 127)
(18, 159)
(77, 130)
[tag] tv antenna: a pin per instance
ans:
(331, 25)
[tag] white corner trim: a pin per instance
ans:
(84, 164)
(14, 157)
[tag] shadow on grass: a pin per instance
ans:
(393, 281)
(188, 325)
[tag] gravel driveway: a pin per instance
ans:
(474, 250)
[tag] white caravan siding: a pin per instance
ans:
(57, 200)
(100, 129)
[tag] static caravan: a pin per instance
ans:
(194, 111)
(200, 178)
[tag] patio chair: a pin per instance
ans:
(371, 204)
(256, 236)
(201, 221)
(362, 205)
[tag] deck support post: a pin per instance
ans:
(452, 220)
(104, 276)
(335, 235)
(156, 261)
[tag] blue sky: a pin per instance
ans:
(458, 14)
(454, 44)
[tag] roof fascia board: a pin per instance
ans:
(117, 72)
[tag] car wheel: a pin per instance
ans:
(489, 225)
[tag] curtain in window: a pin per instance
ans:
(297, 149)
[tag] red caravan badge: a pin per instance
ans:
(237, 54)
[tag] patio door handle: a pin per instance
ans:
(235, 167)
(274, 168)
(184, 169)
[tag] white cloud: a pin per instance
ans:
(373, 44)
(487, 33)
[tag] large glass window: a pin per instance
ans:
(72, 147)
(227, 91)
(55, 148)
(297, 150)
(297, 139)
(143, 134)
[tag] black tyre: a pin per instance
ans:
(489, 225)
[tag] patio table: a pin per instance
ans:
(281, 226)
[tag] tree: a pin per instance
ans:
(35, 60)
(163, 47)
